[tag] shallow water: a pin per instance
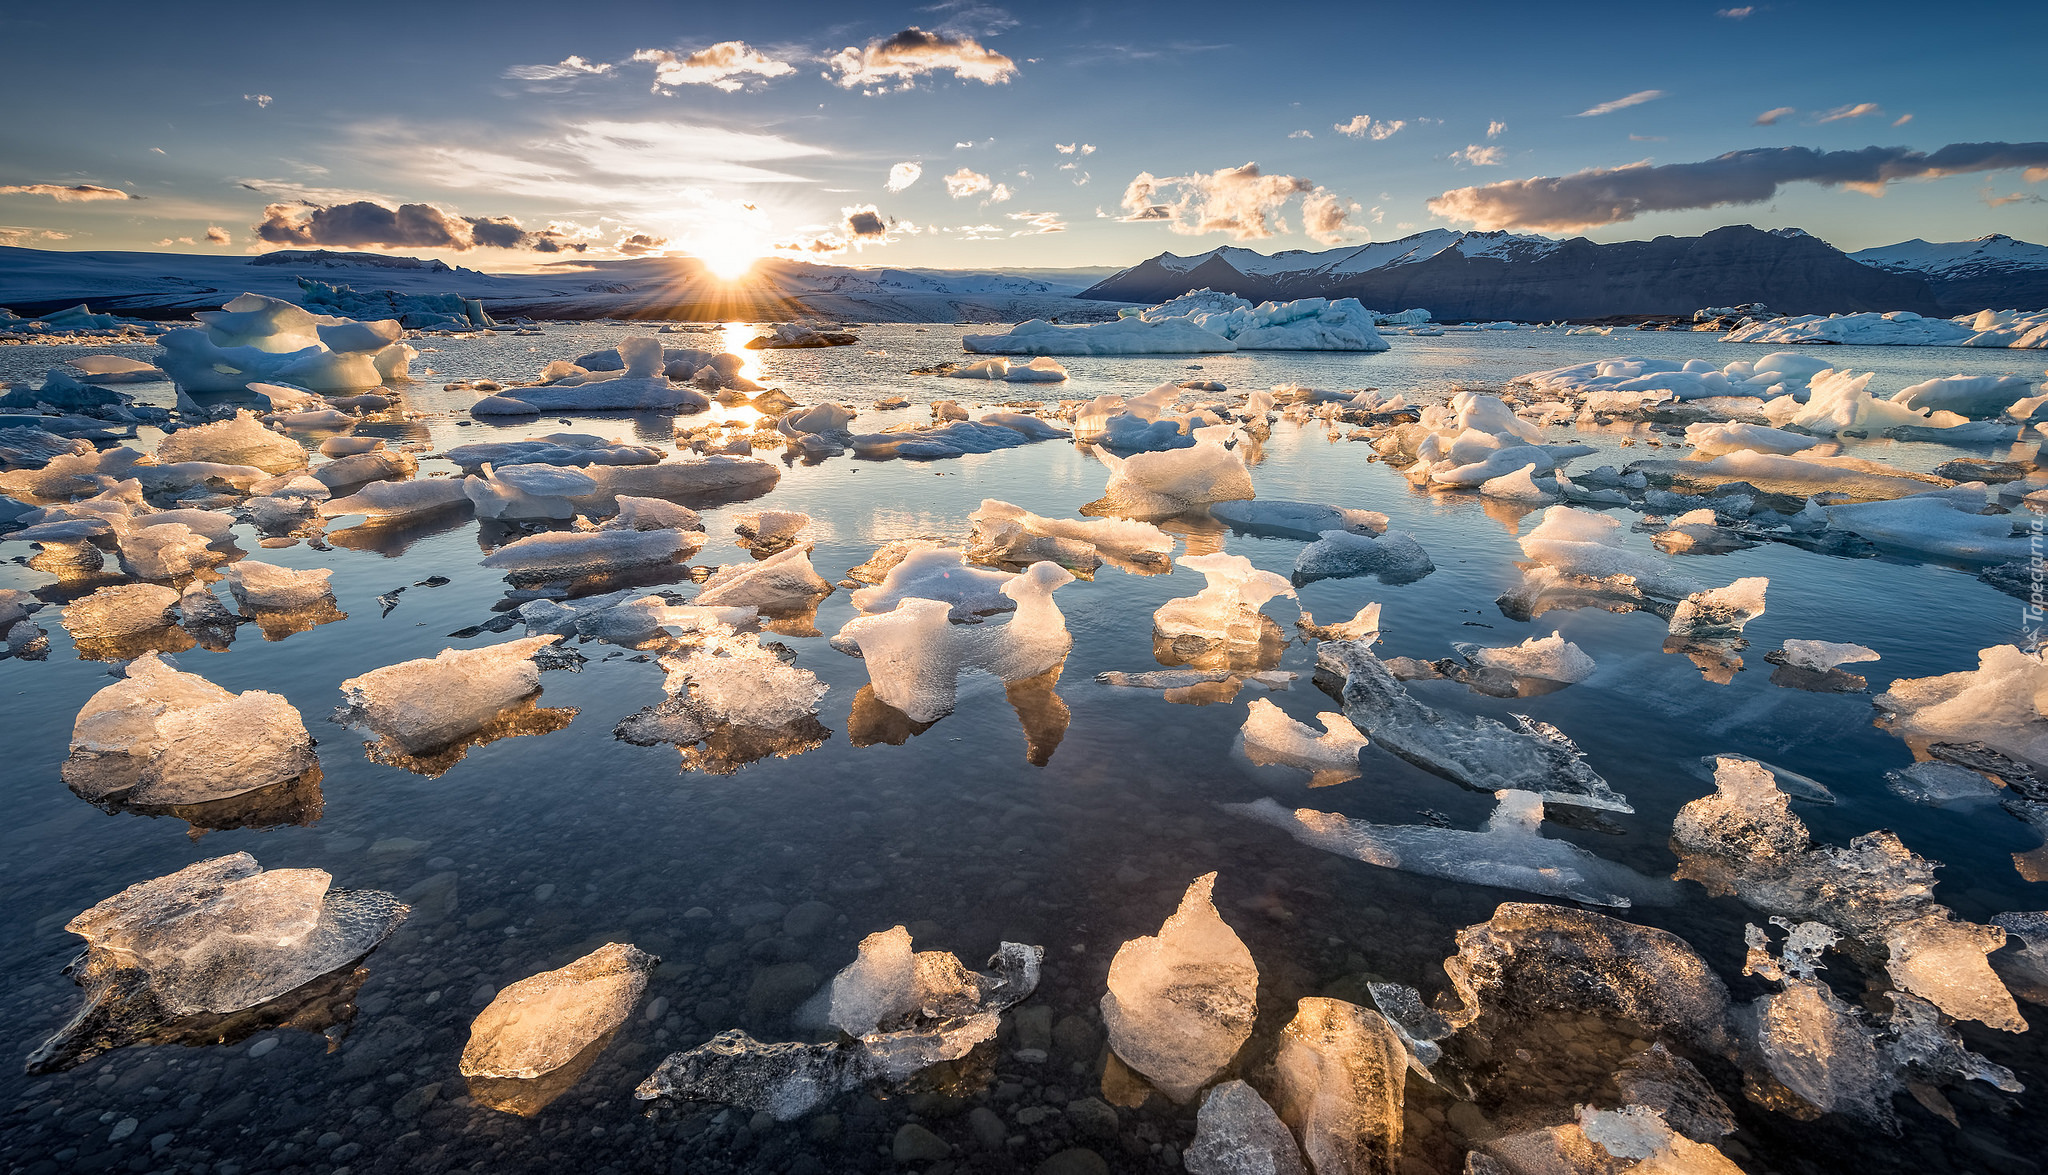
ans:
(533, 850)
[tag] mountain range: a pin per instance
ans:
(1498, 275)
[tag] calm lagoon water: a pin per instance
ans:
(755, 887)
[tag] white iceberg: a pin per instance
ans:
(1168, 482)
(1203, 321)
(426, 704)
(254, 338)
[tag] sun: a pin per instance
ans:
(728, 257)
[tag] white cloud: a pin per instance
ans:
(999, 194)
(570, 67)
(216, 235)
(898, 62)
(1081, 179)
(1742, 13)
(1324, 215)
(1770, 117)
(261, 100)
(1859, 110)
(1242, 201)
(1635, 99)
(1477, 156)
(1902, 120)
(1302, 135)
(1074, 148)
(903, 175)
(724, 66)
(966, 182)
(67, 193)
(17, 235)
(1038, 223)
(1494, 128)
(1362, 126)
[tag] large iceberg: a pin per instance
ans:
(1902, 328)
(254, 338)
(641, 385)
(1203, 321)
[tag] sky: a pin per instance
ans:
(965, 135)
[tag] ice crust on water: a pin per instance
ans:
(541, 1022)
(266, 587)
(780, 582)
(1182, 1002)
(214, 937)
(1510, 852)
(1339, 1081)
(161, 737)
(1168, 482)
(426, 704)
(573, 554)
(1270, 736)
(1237, 1133)
(1943, 525)
(1475, 751)
(1393, 557)
(915, 656)
(927, 1008)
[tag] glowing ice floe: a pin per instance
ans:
(1181, 1003)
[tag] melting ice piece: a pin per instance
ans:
(1182, 1002)
(1936, 782)
(241, 441)
(533, 490)
(915, 656)
(1173, 480)
(1821, 656)
(396, 499)
(1921, 1040)
(1339, 1082)
(1607, 1142)
(1535, 960)
(1815, 1045)
(1476, 752)
(1720, 612)
(1994, 704)
(266, 587)
(1550, 658)
(541, 1022)
(1296, 520)
(1393, 557)
(769, 528)
(939, 573)
(1418, 1027)
(574, 554)
(1003, 533)
(160, 737)
(169, 550)
(1669, 1084)
(1521, 486)
(424, 705)
(876, 567)
(1271, 737)
(215, 937)
(782, 582)
(1223, 619)
(786, 1081)
(124, 610)
(1510, 852)
(1944, 961)
(738, 699)
(1237, 1133)
(651, 514)
(1365, 626)
(1585, 544)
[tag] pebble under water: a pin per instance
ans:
(1074, 824)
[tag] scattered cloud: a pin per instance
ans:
(1859, 110)
(1770, 117)
(2012, 198)
(1362, 126)
(1475, 155)
(1081, 180)
(1000, 194)
(966, 182)
(156, 150)
(903, 175)
(367, 224)
(66, 193)
(1242, 201)
(1742, 13)
(1635, 99)
(1648, 138)
(570, 68)
(639, 244)
(261, 100)
(1902, 120)
(1302, 134)
(724, 66)
(1074, 148)
(1037, 223)
(897, 62)
(16, 235)
(865, 222)
(1494, 129)
(1325, 216)
(168, 241)
(1601, 196)
(216, 235)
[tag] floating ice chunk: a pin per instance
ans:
(1476, 752)
(915, 656)
(165, 551)
(1966, 395)
(953, 438)
(1520, 486)
(1821, 656)
(540, 1023)
(1815, 1045)
(792, 334)
(1720, 611)
(780, 582)
(426, 704)
(560, 448)
(1660, 1080)
(1994, 704)
(769, 528)
(397, 499)
(1938, 783)
(1043, 369)
(1582, 543)
(575, 554)
(1296, 520)
(1777, 374)
(1237, 1133)
(350, 446)
(527, 491)
(1270, 736)
(1339, 1081)
(1608, 1142)
(1364, 626)
(1182, 1002)
(1536, 960)
(160, 737)
(938, 574)
(1940, 525)
(124, 610)
(114, 368)
(680, 479)
(241, 441)
(1510, 852)
(732, 679)
(651, 514)
(1921, 1040)
(29, 447)
(1394, 557)
(641, 386)
(1943, 961)
(1711, 439)
(876, 567)
(1548, 658)
(215, 937)
(1003, 533)
(268, 587)
(1168, 482)
(1124, 336)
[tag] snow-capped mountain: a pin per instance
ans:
(1498, 275)
(1995, 272)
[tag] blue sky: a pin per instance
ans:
(327, 117)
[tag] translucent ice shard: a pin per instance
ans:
(534, 490)
(1995, 704)
(1221, 626)
(1921, 1040)
(1339, 1082)
(126, 610)
(1181, 1003)
(212, 938)
(168, 551)
(1237, 1133)
(542, 1022)
(424, 705)
(240, 441)
(1587, 545)
(1551, 659)
(575, 554)
(1270, 736)
(397, 499)
(1172, 480)
(1476, 752)
(1943, 961)
(1602, 1142)
(1720, 612)
(1364, 626)
(1510, 852)
(1296, 520)
(160, 737)
(1668, 1083)
(1817, 1047)
(780, 583)
(1821, 656)
(785, 1081)
(1003, 533)
(266, 587)
(738, 698)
